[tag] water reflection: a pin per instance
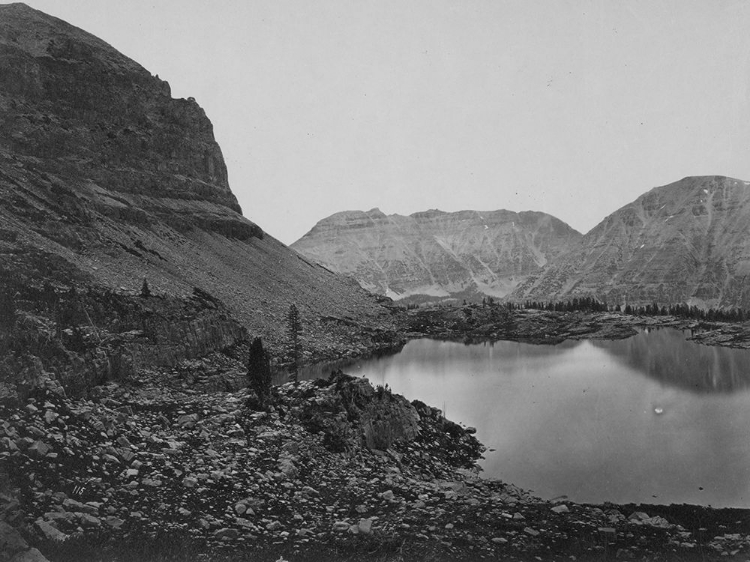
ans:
(319, 371)
(664, 354)
(638, 420)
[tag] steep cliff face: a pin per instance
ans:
(436, 253)
(106, 180)
(682, 242)
(78, 108)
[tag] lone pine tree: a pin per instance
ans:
(294, 328)
(145, 290)
(259, 371)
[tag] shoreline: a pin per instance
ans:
(158, 454)
(574, 326)
(476, 324)
(473, 322)
(296, 481)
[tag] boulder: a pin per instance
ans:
(89, 521)
(187, 421)
(365, 526)
(499, 540)
(226, 533)
(49, 532)
(288, 468)
(11, 541)
(39, 449)
(341, 526)
(31, 555)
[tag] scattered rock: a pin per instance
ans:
(365, 526)
(189, 482)
(89, 521)
(236, 492)
(226, 533)
(388, 495)
(11, 541)
(49, 532)
(341, 526)
(499, 540)
(31, 555)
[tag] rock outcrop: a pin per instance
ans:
(78, 110)
(105, 180)
(349, 410)
(437, 254)
(682, 242)
(75, 341)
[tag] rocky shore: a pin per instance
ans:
(334, 470)
(492, 323)
(172, 460)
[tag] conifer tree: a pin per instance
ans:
(294, 328)
(145, 290)
(259, 371)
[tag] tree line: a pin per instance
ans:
(681, 310)
(582, 304)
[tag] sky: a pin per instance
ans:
(571, 107)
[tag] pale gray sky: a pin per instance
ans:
(574, 108)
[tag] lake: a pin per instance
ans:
(650, 419)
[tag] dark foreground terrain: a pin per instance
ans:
(332, 470)
(127, 433)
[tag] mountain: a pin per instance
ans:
(106, 180)
(437, 254)
(682, 242)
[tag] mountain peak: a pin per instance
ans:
(681, 242)
(42, 35)
(76, 98)
(437, 253)
(714, 180)
(430, 213)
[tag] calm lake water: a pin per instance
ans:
(653, 418)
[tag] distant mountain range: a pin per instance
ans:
(688, 241)
(438, 254)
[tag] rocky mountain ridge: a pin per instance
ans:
(105, 180)
(682, 242)
(437, 254)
